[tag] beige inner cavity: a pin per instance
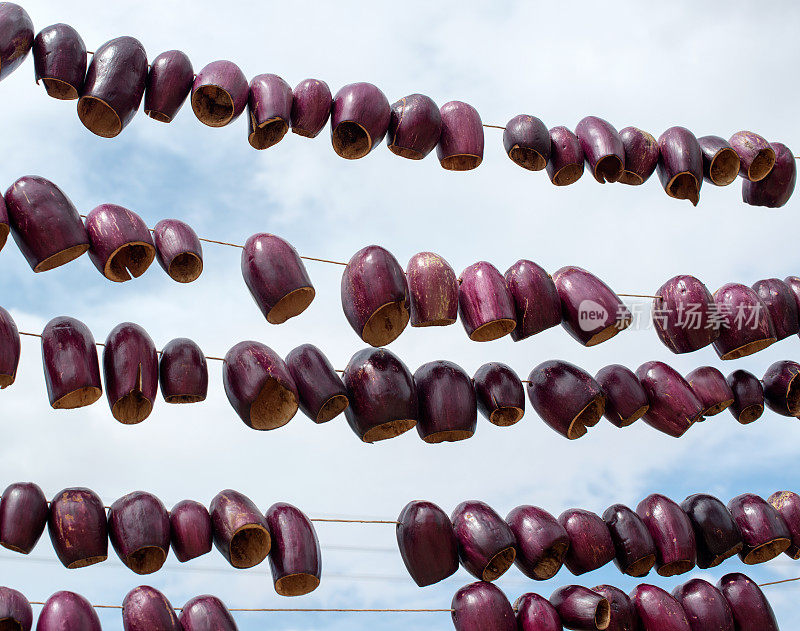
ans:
(61, 258)
(498, 564)
(493, 330)
(332, 408)
(268, 133)
(60, 90)
(275, 406)
(146, 560)
(296, 584)
(213, 105)
(385, 431)
(724, 167)
(249, 546)
(386, 324)
(99, 117)
(291, 305)
(461, 162)
(351, 140)
(527, 158)
(186, 267)
(78, 398)
(129, 260)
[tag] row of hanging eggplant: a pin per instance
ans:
(110, 92)
(141, 531)
(672, 538)
(380, 397)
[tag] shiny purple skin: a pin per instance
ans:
(240, 530)
(748, 396)
(375, 296)
(777, 187)
(71, 366)
(542, 542)
(717, 537)
(626, 400)
(414, 127)
(15, 610)
(139, 530)
(311, 107)
(78, 528)
(191, 534)
(527, 142)
(206, 613)
(460, 146)
(5, 228)
(500, 394)
(705, 606)
(486, 544)
(482, 606)
(44, 223)
(448, 408)
(322, 394)
(269, 110)
(59, 61)
(764, 532)
(219, 93)
(536, 302)
(680, 165)
(121, 245)
(360, 116)
(782, 388)
(746, 325)
(674, 407)
(566, 157)
(427, 543)
(178, 250)
(10, 347)
(623, 614)
(672, 532)
(657, 610)
(756, 155)
(432, 290)
(183, 372)
(259, 386)
(592, 313)
(114, 86)
(295, 558)
(581, 608)
(383, 400)
(641, 156)
(147, 609)
(590, 543)
(566, 397)
(16, 37)
(276, 277)
(633, 543)
(485, 304)
(169, 83)
(750, 608)
(130, 372)
(684, 315)
(535, 613)
(602, 148)
(720, 162)
(23, 516)
(68, 610)
(793, 283)
(711, 388)
(787, 504)
(781, 306)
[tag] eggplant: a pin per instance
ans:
(130, 372)
(241, 533)
(481, 606)
(626, 400)
(788, 506)
(322, 394)
(432, 290)
(685, 315)
(78, 528)
(680, 166)
(590, 543)
(750, 608)
(633, 543)
(623, 614)
(10, 348)
(717, 537)
(191, 533)
(711, 389)
(566, 157)
(269, 110)
(67, 610)
(748, 396)
(427, 543)
(781, 306)
(602, 148)
(705, 606)
(486, 544)
(782, 388)
(121, 245)
(720, 161)
(59, 61)
(147, 609)
(542, 542)
(756, 156)
(764, 532)
(746, 325)
(295, 558)
(183, 372)
(581, 608)
(536, 301)
(527, 142)
(206, 613)
(71, 366)
(485, 304)
(641, 156)
(776, 188)
(16, 37)
(448, 408)
(15, 610)
(219, 93)
(536, 613)
(674, 408)
(178, 250)
(500, 395)
(414, 127)
(672, 532)
(23, 517)
(5, 227)
(169, 83)
(360, 116)
(311, 107)
(460, 146)
(657, 610)
(139, 530)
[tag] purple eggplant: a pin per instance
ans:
(183, 372)
(750, 608)
(581, 608)
(535, 613)
(427, 543)
(432, 290)
(414, 127)
(139, 530)
(482, 606)
(360, 116)
(448, 408)
(748, 396)
(23, 517)
(566, 157)
(147, 609)
(641, 156)
(787, 504)
(169, 83)
(206, 613)
(219, 93)
(295, 558)
(78, 528)
(793, 283)
(59, 61)
(782, 388)
(602, 148)
(10, 348)
(717, 537)
(486, 544)
(191, 532)
(781, 306)
(633, 543)
(375, 296)
(776, 188)
(130, 372)
(15, 610)
(269, 110)
(623, 614)
(5, 227)
(536, 302)
(764, 532)
(674, 408)
(657, 610)
(542, 542)
(567, 398)
(672, 532)
(590, 543)
(485, 303)
(178, 250)
(322, 394)
(67, 610)
(705, 607)
(626, 400)
(711, 389)
(460, 145)
(756, 155)
(16, 37)
(680, 166)
(500, 395)
(121, 245)
(527, 142)
(71, 367)
(684, 315)
(240, 530)
(720, 162)
(311, 107)
(114, 86)
(44, 223)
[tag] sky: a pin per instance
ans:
(713, 70)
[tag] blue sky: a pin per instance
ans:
(713, 71)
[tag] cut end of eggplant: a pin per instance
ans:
(132, 409)
(630, 178)
(268, 133)
(296, 585)
(129, 261)
(493, 330)
(213, 105)
(588, 417)
(385, 431)
(762, 164)
(608, 169)
(551, 562)
(609, 332)
(158, 116)
(717, 560)
(291, 305)
(724, 168)
(275, 406)
(386, 324)
(624, 422)
(507, 416)
(684, 186)
(568, 174)
(249, 546)
(406, 152)
(499, 564)
(750, 414)
(146, 560)
(184, 398)
(440, 322)
(61, 258)
(77, 399)
(602, 615)
(332, 408)
(642, 567)
(676, 567)
(60, 90)
(749, 348)
(527, 158)
(185, 268)
(448, 436)
(767, 552)
(99, 117)
(351, 141)
(461, 162)
(6, 380)
(81, 563)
